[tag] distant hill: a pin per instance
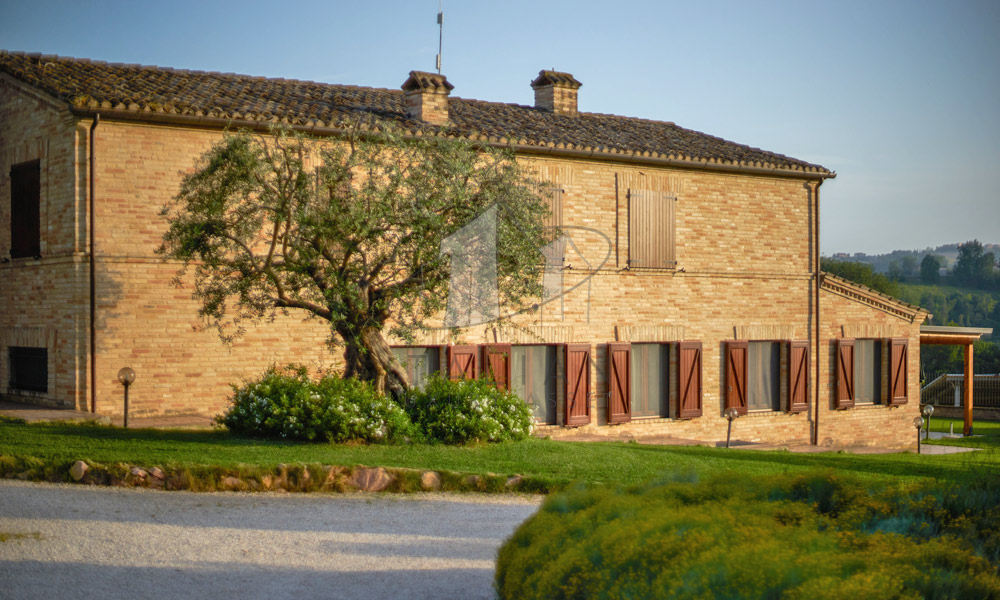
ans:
(880, 262)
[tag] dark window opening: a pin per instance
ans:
(420, 363)
(867, 371)
(28, 369)
(763, 368)
(650, 380)
(534, 373)
(25, 222)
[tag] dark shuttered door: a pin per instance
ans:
(798, 376)
(462, 363)
(577, 384)
(25, 223)
(619, 383)
(845, 373)
(897, 370)
(650, 230)
(689, 379)
(736, 376)
(496, 364)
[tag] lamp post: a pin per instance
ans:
(126, 376)
(918, 422)
(927, 410)
(731, 413)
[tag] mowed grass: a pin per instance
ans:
(553, 462)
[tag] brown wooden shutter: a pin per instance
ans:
(898, 354)
(577, 384)
(689, 380)
(462, 363)
(496, 364)
(798, 376)
(25, 204)
(845, 373)
(619, 383)
(650, 230)
(736, 375)
(555, 218)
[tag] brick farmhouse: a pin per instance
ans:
(687, 279)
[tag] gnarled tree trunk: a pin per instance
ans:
(368, 357)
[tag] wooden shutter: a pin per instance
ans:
(496, 364)
(462, 363)
(736, 375)
(650, 230)
(689, 381)
(898, 354)
(555, 218)
(845, 373)
(25, 201)
(798, 376)
(577, 384)
(619, 383)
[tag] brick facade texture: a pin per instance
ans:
(746, 249)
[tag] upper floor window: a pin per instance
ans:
(651, 230)
(25, 224)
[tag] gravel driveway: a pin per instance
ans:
(66, 541)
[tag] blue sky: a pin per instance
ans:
(901, 98)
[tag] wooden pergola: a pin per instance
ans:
(958, 336)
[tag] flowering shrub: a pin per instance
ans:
(457, 412)
(285, 403)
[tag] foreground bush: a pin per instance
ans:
(798, 537)
(469, 410)
(287, 404)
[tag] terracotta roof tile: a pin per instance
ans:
(83, 83)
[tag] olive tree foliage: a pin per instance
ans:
(348, 231)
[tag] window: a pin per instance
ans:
(640, 380)
(28, 369)
(867, 371)
(420, 363)
(650, 380)
(860, 365)
(534, 373)
(753, 376)
(25, 223)
(650, 230)
(555, 199)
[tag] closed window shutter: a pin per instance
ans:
(577, 384)
(845, 373)
(462, 363)
(798, 376)
(736, 375)
(689, 370)
(496, 364)
(897, 371)
(619, 383)
(650, 230)
(555, 218)
(25, 200)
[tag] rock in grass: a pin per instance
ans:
(78, 470)
(514, 481)
(231, 483)
(157, 473)
(139, 474)
(371, 479)
(430, 480)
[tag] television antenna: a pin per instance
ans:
(437, 59)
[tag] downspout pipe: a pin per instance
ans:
(93, 268)
(819, 329)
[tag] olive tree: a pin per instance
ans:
(349, 231)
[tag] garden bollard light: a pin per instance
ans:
(731, 413)
(918, 422)
(126, 376)
(927, 411)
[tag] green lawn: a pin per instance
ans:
(556, 463)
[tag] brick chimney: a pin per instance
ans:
(556, 92)
(427, 97)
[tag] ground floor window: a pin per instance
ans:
(867, 371)
(650, 380)
(28, 369)
(763, 372)
(420, 363)
(534, 373)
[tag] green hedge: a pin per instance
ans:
(798, 537)
(468, 410)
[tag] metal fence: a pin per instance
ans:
(949, 390)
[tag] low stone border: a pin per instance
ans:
(283, 478)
